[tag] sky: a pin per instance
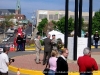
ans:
(28, 6)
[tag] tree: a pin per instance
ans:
(48, 27)
(7, 22)
(61, 25)
(96, 22)
(42, 25)
(70, 25)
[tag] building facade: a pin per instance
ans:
(18, 17)
(57, 14)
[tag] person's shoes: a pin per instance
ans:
(38, 62)
(43, 63)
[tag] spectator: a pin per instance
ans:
(38, 49)
(62, 65)
(96, 39)
(54, 43)
(47, 49)
(15, 44)
(86, 35)
(86, 63)
(19, 42)
(52, 63)
(24, 41)
(4, 61)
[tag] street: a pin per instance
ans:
(28, 30)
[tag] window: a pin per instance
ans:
(51, 17)
(6, 13)
(61, 15)
(18, 17)
(21, 17)
(41, 16)
(56, 17)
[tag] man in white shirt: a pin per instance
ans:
(4, 61)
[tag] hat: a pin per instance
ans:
(53, 35)
(96, 31)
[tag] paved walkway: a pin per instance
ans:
(27, 62)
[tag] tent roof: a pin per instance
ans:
(54, 32)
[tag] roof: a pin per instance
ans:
(7, 11)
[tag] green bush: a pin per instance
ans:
(41, 42)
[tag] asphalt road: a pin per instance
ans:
(28, 30)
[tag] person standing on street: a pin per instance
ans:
(24, 41)
(38, 49)
(62, 65)
(54, 42)
(52, 63)
(47, 49)
(86, 63)
(19, 42)
(96, 39)
(4, 61)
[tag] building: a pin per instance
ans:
(57, 14)
(18, 17)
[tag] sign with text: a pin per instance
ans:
(81, 44)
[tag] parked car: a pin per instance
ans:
(29, 36)
(10, 34)
(6, 39)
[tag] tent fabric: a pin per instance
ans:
(82, 33)
(57, 34)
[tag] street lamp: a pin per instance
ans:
(33, 19)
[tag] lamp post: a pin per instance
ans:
(33, 19)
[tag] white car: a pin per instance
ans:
(6, 39)
(29, 36)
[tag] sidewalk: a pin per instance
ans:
(27, 65)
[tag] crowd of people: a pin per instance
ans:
(57, 61)
(54, 58)
(19, 42)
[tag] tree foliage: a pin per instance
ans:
(96, 22)
(42, 25)
(60, 25)
(7, 22)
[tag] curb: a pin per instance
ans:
(35, 72)
(31, 48)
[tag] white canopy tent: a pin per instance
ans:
(57, 34)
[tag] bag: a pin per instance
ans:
(46, 70)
